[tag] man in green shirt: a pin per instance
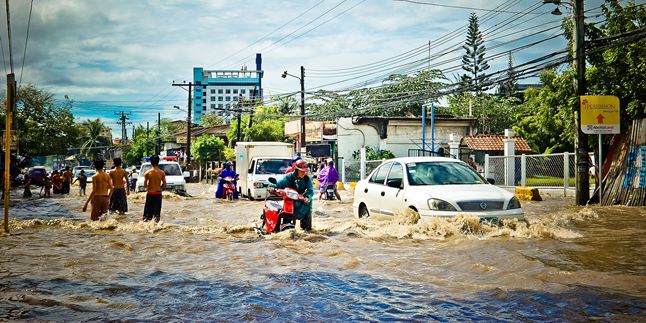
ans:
(302, 183)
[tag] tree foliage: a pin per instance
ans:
(372, 154)
(493, 115)
(93, 136)
(268, 125)
(45, 126)
(208, 147)
(399, 95)
(212, 119)
(473, 61)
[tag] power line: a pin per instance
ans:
(271, 33)
(460, 7)
(24, 53)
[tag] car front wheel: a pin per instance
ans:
(363, 211)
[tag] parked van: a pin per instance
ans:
(175, 178)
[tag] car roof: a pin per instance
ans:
(407, 160)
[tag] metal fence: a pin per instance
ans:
(548, 170)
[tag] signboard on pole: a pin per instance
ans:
(599, 114)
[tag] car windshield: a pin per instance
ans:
(441, 173)
(37, 172)
(272, 166)
(89, 172)
(169, 169)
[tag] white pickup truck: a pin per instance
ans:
(256, 162)
(175, 178)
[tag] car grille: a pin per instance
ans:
(477, 206)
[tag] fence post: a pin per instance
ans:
(523, 170)
(342, 170)
(362, 161)
(486, 166)
(566, 172)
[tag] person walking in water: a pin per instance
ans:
(154, 182)
(101, 190)
(82, 179)
(119, 199)
(67, 180)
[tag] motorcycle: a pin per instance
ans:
(329, 192)
(276, 217)
(228, 187)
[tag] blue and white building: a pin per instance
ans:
(219, 91)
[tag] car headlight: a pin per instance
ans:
(258, 185)
(440, 205)
(514, 203)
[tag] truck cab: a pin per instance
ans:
(256, 162)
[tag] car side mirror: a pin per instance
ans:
(272, 180)
(491, 181)
(395, 183)
(186, 174)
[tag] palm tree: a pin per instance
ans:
(93, 136)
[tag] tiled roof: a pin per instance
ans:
(493, 143)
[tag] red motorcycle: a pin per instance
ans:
(276, 217)
(228, 187)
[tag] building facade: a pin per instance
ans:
(221, 91)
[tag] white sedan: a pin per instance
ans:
(432, 186)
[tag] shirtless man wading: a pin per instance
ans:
(119, 199)
(100, 195)
(154, 182)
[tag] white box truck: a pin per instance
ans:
(257, 161)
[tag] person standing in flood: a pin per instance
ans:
(67, 180)
(57, 182)
(82, 179)
(101, 190)
(119, 196)
(154, 182)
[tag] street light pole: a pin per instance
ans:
(302, 80)
(582, 194)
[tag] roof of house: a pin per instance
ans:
(493, 143)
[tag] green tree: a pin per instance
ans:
(139, 146)
(509, 86)
(93, 137)
(372, 154)
(473, 60)
(268, 125)
(45, 126)
(494, 115)
(212, 119)
(208, 147)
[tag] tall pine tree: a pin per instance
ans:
(509, 86)
(473, 61)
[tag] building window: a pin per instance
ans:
(228, 106)
(220, 98)
(212, 105)
(212, 98)
(220, 91)
(243, 91)
(235, 91)
(228, 98)
(220, 105)
(227, 91)
(235, 98)
(212, 91)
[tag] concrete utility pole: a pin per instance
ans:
(123, 116)
(302, 80)
(147, 132)
(188, 119)
(158, 149)
(11, 105)
(581, 142)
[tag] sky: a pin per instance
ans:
(111, 56)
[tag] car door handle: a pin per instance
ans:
(383, 193)
(365, 190)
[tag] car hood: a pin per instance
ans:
(480, 192)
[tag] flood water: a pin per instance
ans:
(204, 261)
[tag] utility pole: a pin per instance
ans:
(302, 107)
(123, 116)
(158, 149)
(11, 105)
(188, 119)
(581, 141)
(147, 132)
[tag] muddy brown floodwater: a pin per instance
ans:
(204, 261)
